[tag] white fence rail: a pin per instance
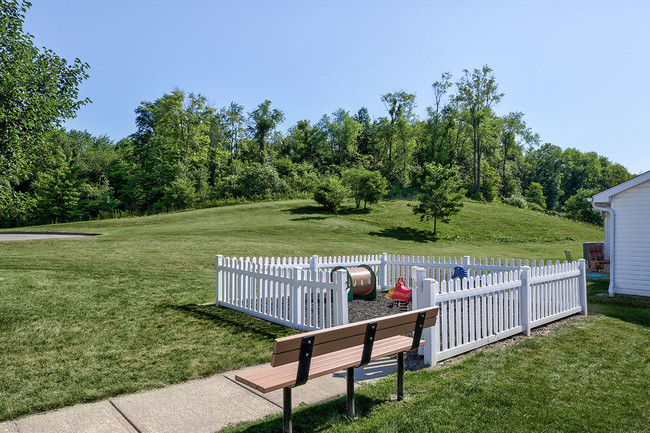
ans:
(498, 299)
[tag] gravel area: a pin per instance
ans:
(361, 309)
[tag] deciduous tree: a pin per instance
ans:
(38, 90)
(440, 195)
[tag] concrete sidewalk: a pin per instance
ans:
(198, 406)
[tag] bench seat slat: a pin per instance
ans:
(355, 340)
(269, 378)
(290, 370)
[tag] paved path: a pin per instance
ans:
(198, 406)
(23, 236)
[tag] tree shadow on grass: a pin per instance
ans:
(324, 213)
(314, 417)
(407, 234)
(233, 321)
(310, 218)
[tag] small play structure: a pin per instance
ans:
(400, 294)
(459, 272)
(361, 279)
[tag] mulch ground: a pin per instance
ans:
(361, 309)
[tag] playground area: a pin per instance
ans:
(481, 300)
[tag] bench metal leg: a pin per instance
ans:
(349, 402)
(400, 376)
(286, 402)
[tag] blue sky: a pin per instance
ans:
(577, 69)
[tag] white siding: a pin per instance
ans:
(632, 238)
(608, 236)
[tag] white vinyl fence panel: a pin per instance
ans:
(480, 310)
(298, 298)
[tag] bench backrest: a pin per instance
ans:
(324, 341)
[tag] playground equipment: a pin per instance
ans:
(459, 272)
(362, 282)
(400, 294)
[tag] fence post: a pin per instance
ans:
(431, 335)
(524, 299)
(582, 263)
(417, 300)
(383, 271)
(417, 276)
(313, 263)
(297, 298)
(467, 260)
(341, 297)
(219, 281)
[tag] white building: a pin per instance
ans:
(626, 209)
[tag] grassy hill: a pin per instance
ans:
(84, 319)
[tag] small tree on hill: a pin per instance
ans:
(330, 194)
(364, 185)
(440, 195)
(374, 187)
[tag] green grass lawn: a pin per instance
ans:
(85, 319)
(586, 375)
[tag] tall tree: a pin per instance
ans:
(546, 167)
(344, 131)
(306, 143)
(515, 132)
(436, 129)
(171, 147)
(234, 118)
(261, 124)
(477, 92)
(400, 107)
(38, 90)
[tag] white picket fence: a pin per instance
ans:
(498, 299)
(480, 310)
(289, 295)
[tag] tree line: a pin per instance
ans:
(184, 152)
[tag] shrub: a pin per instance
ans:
(516, 201)
(578, 208)
(490, 182)
(535, 194)
(330, 194)
(297, 177)
(96, 199)
(259, 179)
(179, 194)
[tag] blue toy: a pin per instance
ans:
(459, 272)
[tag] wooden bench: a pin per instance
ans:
(298, 358)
